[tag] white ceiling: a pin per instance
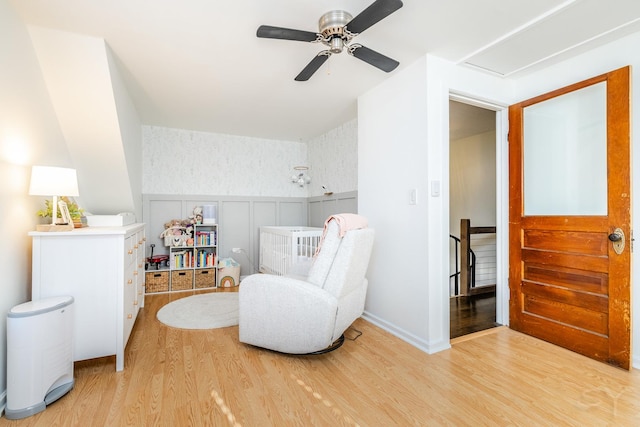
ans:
(197, 64)
(467, 120)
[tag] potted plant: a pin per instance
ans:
(75, 212)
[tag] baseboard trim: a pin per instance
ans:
(429, 348)
(3, 402)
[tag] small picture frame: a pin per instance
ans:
(64, 212)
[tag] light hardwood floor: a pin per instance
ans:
(178, 377)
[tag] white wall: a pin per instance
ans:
(472, 174)
(393, 158)
(96, 116)
(403, 144)
(179, 161)
(131, 136)
(29, 134)
(333, 159)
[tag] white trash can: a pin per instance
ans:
(39, 355)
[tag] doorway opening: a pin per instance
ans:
(472, 218)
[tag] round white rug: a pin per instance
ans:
(205, 311)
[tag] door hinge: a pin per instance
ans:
(631, 239)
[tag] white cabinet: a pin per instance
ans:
(103, 269)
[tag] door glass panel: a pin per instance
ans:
(565, 154)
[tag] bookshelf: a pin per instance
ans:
(192, 263)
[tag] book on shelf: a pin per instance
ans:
(205, 258)
(205, 238)
(182, 259)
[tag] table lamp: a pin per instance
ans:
(53, 181)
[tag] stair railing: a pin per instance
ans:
(467, 256)
(456, 275)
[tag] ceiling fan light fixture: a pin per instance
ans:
(332, 23)
(336, 45)
(336, 30)
(331, 27)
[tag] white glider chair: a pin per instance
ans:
(290, 315)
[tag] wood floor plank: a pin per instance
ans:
(176, 377)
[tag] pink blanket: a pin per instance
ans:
(346, 222)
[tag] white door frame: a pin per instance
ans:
(502, 199)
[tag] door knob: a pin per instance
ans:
(617, 237)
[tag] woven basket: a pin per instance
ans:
(156, 281)
(181, 280)
(205, 278)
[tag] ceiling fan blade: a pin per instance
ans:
(374, 58)
(313, 66)
(269, 32)
(377, 11)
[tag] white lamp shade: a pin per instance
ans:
(53, 181)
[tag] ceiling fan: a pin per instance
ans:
(337, 29)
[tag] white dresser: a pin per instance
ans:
(103, 269)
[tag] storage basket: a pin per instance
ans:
(205, 278)
(181, 280)
(176, 241)
(228, 277)
(156, 281)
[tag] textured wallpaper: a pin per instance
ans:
(333, 160)
(183, 162)
(179, 161)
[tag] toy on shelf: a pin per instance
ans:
(156, 260)
(177, 233)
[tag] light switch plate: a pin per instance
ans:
(435, 188)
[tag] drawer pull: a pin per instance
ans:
(135, 273)
(130, 251)
(129, 316)
(135, 303)
(130, 281)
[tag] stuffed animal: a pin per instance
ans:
(178, 233)
(172, 228)
(188, 230)
(196, 218)
(197, 214)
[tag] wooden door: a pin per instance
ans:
(568, 284)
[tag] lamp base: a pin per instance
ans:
(56, 227)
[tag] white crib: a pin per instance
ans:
(288, 250)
